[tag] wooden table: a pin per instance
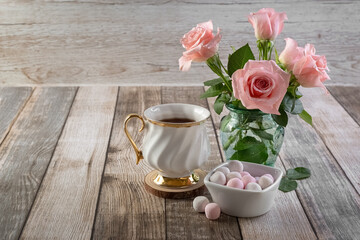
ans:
(67, 170)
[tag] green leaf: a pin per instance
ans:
(298, 173)
(262, 134)
(246, 142)
(257, 154)
(287, 185)
(282, 119)
(238, 59)
(306, 117)
(220, 101)
(292, 104)
(213, 91)
(250, 150)
(213, 82)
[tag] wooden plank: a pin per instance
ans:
(337, 129)
(330, 201)
(26, 152)
(12, 101)
(107, 42)
(349, 98)
(125, 209)
(66, 203)
(180, 216)
(286, 216)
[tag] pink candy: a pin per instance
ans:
(244, 173)
(248, 179)
(235, 183)
(212, 211)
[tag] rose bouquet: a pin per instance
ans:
(259, 94)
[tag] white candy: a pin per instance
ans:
(200, 203)
(218, 177)
(265, 182)
(224, 170)
(231, 175)
(235, 166)
(257, 179)
(253, 186)
(269, 175)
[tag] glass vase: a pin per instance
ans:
(250, 136)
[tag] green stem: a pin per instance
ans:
(230, 140)
(224, 68)
(265, 49)
(226, 83)
(215, 65)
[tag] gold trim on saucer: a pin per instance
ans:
(175, 125)
(176, 182)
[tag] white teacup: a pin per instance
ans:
(176, 142)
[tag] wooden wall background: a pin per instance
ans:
(70, 42)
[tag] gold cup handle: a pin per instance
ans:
(138, 153)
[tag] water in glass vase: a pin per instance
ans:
(251, 136)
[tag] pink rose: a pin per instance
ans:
(308, 68)
(267, 23)
(200, 44)
(261, 85)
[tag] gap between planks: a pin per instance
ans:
(25, 153)
(66, 202)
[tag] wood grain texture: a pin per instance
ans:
(137, 42)
(337, 129)
(286, 216)
(26, 152)
(66, 203)
(126, 210)
(180, 215)
(330, 201)
(12, 101)
(349, 98)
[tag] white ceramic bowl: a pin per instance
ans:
(245, 203)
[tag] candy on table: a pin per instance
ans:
(200, 203)
(244, 173)
(235, 183)
(253, 186)
(247, 179)
(235, 166)
(265, 181)
(212, 211)
(231, 175)
(224, 170)
(218, 177)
